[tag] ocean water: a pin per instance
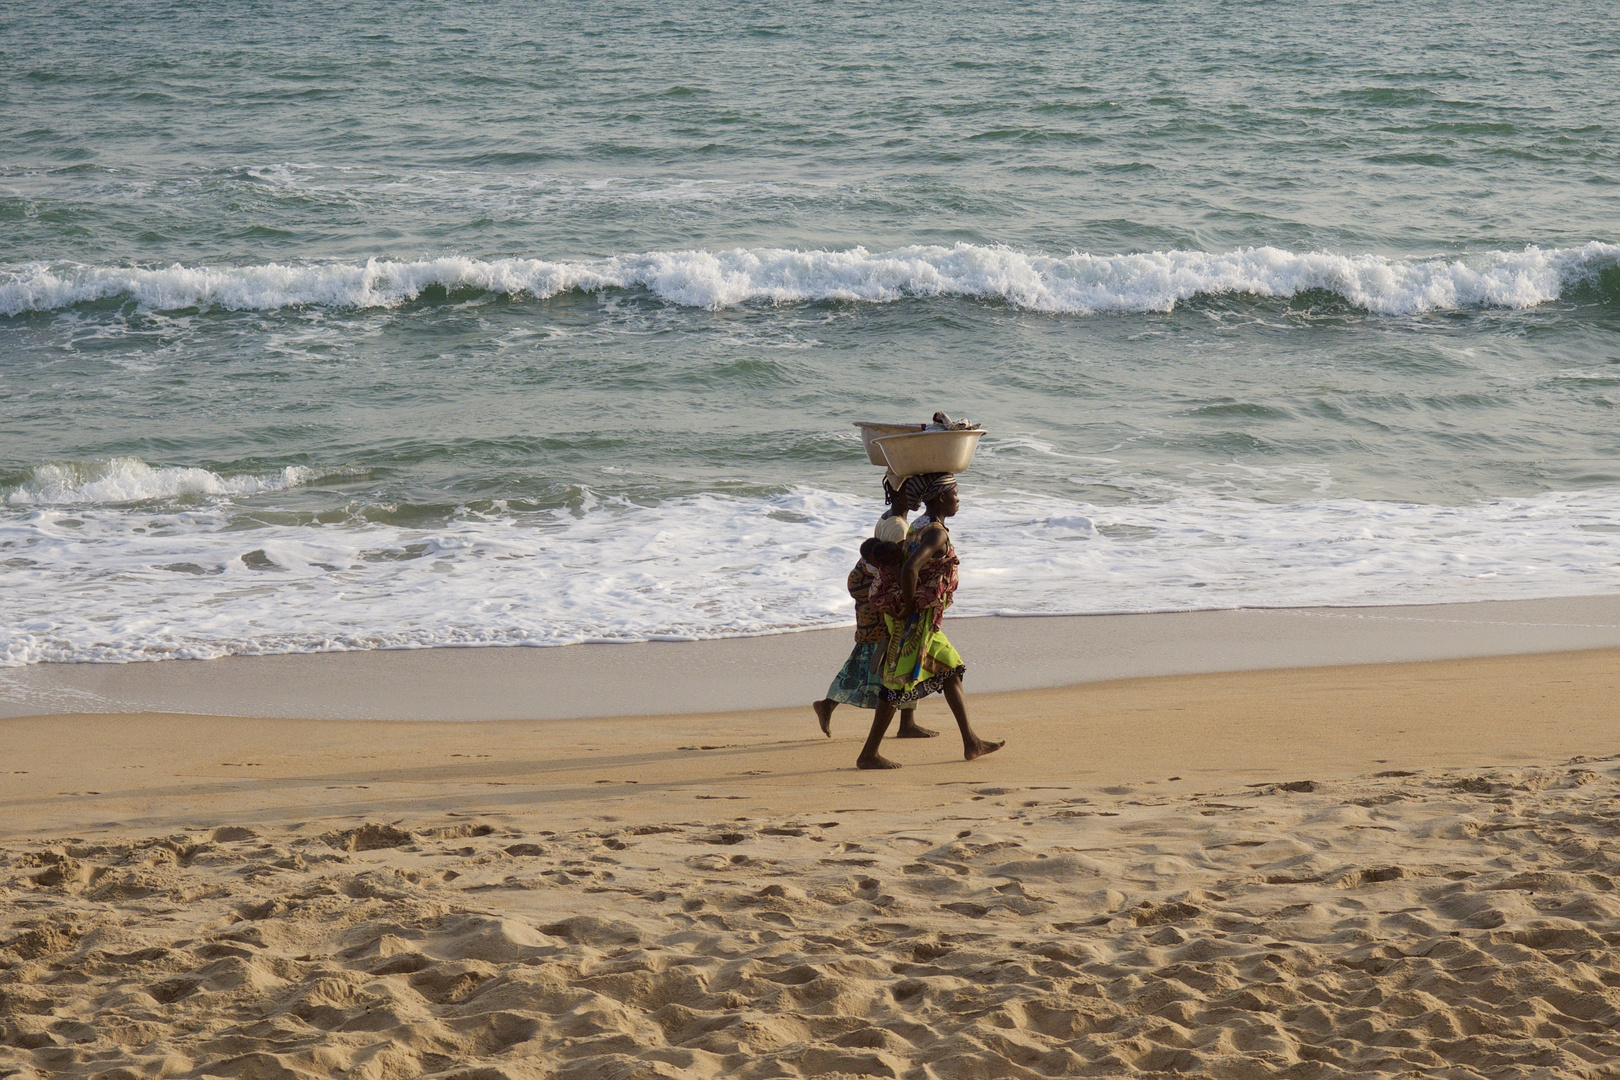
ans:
(365, 326)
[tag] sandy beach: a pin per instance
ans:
(441, 449)
(1394, 868)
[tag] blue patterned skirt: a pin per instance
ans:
(859, 682)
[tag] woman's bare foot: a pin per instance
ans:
(910, 729)
(824, 709)
(876, 761)
(979, 748)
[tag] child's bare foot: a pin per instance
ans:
(910, 729)
(979, 748)
(824, 709)
(876, 761)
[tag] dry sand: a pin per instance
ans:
(1397, 869)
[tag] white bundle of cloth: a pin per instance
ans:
(941, 422)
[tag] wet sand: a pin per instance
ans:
(788, 669)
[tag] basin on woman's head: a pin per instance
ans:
(927, 451)
(870, 432)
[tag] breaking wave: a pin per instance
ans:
(130, 480)
(1073, 284)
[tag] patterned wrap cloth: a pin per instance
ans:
(868, 620)
(919, 659)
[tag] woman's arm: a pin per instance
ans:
(929, 545)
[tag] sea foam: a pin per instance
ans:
(200, 579)
(1075, 284)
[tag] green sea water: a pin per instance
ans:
(329, 326)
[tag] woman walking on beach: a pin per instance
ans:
(919, 659)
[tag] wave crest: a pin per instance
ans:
(1073, 284)
(130, 480)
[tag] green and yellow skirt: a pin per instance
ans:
(919, 660)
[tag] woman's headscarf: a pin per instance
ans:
(914, 491)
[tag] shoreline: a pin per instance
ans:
(1004, 653)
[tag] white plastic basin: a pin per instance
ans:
(927, 451)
